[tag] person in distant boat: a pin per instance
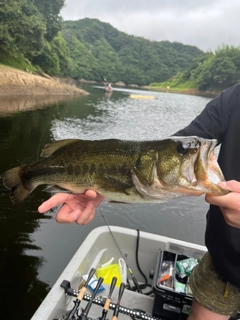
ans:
(105, 83)
(215, 281)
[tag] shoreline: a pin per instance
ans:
(15, 82)
(195, 92)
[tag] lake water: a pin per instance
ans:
(34, 249)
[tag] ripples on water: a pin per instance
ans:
(136, 119)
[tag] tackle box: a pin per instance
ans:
(172, 294)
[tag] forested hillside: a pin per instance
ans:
(28, 29)
(34, 37)
(98, 50)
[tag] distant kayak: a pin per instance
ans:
(107, 89)
(138, 96)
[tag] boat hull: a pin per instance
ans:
(99, 247)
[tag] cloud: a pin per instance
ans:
(206, 24)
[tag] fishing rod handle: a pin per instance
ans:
(90, 275)
(120, 293)
(74, 309)
(86, 310)
(84, 288)
(108, 300)
(104, 314)
(112, 286)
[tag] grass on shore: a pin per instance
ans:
(18, 63)
(176, 83)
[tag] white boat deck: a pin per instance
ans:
(98, 248)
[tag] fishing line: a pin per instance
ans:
(117, 245)
(114, 239)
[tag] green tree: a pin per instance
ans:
(48, 60)
(22, 28)
(82, 64)
(223, 71)
(50, 11)
(60, 48)
(109, 64)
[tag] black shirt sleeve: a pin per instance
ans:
(212, 122)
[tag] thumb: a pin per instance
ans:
(231, 185)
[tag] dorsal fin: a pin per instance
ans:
(50, 148)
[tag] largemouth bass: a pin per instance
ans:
(122, 171)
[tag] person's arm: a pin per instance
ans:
(212, 122)
(79, 208)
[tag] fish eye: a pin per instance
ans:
(181, 150)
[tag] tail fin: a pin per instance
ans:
(20, 188)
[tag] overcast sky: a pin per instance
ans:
(207, 24)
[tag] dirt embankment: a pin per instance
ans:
(15, 82)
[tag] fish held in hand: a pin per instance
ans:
(121, 170)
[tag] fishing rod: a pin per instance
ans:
(120, 293)
(84, 314)
(100, 301)
(108, 300)
(115, 241)
(80, 295)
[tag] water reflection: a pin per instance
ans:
(19, 283)
(12, 104)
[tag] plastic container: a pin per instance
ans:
(173, 298)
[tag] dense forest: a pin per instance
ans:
(210, 71)
(34, 37)
(98, 50)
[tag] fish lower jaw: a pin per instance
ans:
(213, 189)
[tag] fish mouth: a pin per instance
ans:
(201, 171)
(207, 170)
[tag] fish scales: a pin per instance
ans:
(122, 170)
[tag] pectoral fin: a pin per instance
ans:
(113, 184)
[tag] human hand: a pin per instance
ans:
(229, 203)
(79, 208)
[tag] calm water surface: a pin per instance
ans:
(34, 249)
